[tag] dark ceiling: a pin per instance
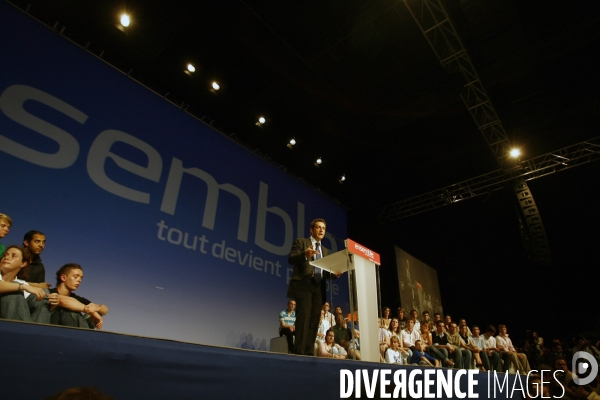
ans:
(356, 83)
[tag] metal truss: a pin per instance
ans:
(522, 171)
(436, 26)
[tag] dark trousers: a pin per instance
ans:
(308, 313)
(64, 317)
(14, 305)
(289, 336)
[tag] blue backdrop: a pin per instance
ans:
(181, 232)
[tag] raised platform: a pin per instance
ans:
(41, 360)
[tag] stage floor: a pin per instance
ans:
(43, 360)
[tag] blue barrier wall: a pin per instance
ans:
(183, 233)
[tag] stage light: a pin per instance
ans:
(318, 162)
(261, 120)
(125, 21)
(291, 143)
(342, 179)
(514, 153)
(216, 86)
(191, 68)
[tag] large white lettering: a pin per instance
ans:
(100, 151)
(11, 104)
(261, 224)
(171, 195)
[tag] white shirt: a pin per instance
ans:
(490, 343)
(410, 337)
(393, 357)
(504, 343)
(323, 328)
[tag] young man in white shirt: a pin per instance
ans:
(509, 353)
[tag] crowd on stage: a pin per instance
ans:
(25, 295)
(415, 339)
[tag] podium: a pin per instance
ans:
(363, 283)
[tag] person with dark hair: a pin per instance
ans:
(490, 358)
(426, 320)
(330, 349)
(387, 317)
(287, 319)
(35, 241)
(440, 341)
(308, 286)
(420, 357)
(491, 348)
(401, 318)
(414, 315)
(66, 307)
(464, 360)
(5, 224)
(18, 299)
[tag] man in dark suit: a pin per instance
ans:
(307, 286)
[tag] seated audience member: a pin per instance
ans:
(475, 351)
(589, 392)
(463, 322)
(491, 348)
(329, 348)
(35, 241)
(490, 359)
(340, 331)
(426, 320)
(549, 357)
(329, 317)
(410, 335)
(414, 315)
(427, 342)
(352, 321)
(395, 328)
(436, 317)
(384, 339)
(401, 317)
(354, 346)
(455, 340)
(338, 310)
(447, 321)
(509, 353)
(581, 344)
(420, 357)
(386, 317)
(287, 319)
(395, 354)
(19, 300)
(565, 377)
(323, 328)
(66, 307)
(536, 389)
(440, 341)
(5, 224)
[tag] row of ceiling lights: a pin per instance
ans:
(126, 21)
(190, 69)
